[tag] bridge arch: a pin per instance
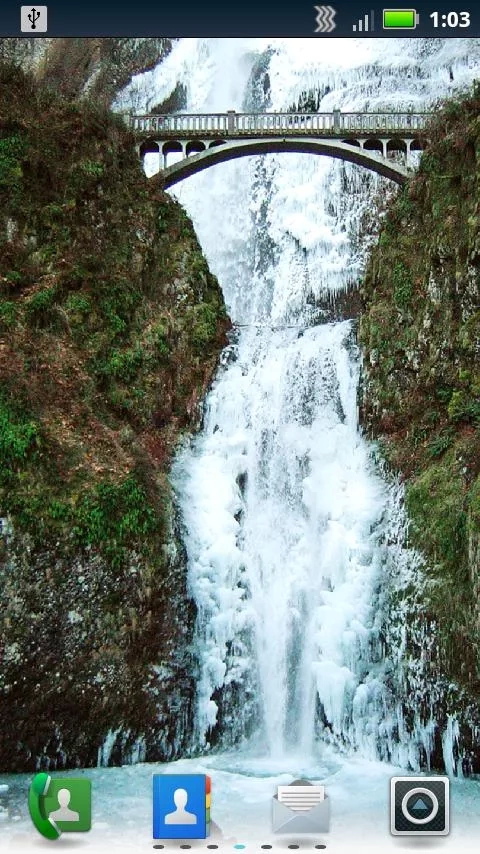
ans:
(374, 145)
(417, 145)
(196, 146)
(148, 146)
(172, 146)
(224, 151)
(397, 145)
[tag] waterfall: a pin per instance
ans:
(286, 517)
(280, 513)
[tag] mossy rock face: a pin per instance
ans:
(420, 334)
(111, 325)
(86, 68)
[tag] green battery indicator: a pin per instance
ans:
(400, 19)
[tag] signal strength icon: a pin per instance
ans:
(365, 24)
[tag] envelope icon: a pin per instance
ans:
(288, 820)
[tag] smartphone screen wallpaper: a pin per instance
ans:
(239, 439)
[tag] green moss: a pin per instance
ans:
(14, 277)
(420, 334)
(78, 307)
(12, 152)
(123, 365)
(8, 315)
(430, 163)
(435, 503)
(203, 320)
(374, 327)
(112, 329)
(94, 168)
(97, 334)
(464, 407)
(39, 306)
(160, 340)
(113, 517)
(19, 439)
(473, 506)
(120, 399)
(116, 303)
(440, 443)
(402, 285)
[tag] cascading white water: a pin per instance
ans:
(281, 566)
(282, 509)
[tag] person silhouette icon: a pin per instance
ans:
(64, 813)
(180, 816)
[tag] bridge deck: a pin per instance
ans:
(251, 125)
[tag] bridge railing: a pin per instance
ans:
(181, 123)
(240, 124)
(283, 122)
(391, 122)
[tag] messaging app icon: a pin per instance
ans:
(60, 804)
(301, 807)
(181, 806)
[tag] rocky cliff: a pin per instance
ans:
(110, 327)
(95, 68)
(420, 332)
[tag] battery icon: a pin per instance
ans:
(400, 19)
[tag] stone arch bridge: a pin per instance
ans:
(367, 139)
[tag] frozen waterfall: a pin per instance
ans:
(285, 516)
(279, 509)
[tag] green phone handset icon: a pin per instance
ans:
(60, 804)
(36, 804)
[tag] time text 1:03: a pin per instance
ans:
(451, 19)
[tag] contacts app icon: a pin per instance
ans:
(181, 806)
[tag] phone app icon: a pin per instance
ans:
(60, 804)
(181, 806)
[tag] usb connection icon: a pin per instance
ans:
(33, 19)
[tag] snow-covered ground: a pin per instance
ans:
(242, 790)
